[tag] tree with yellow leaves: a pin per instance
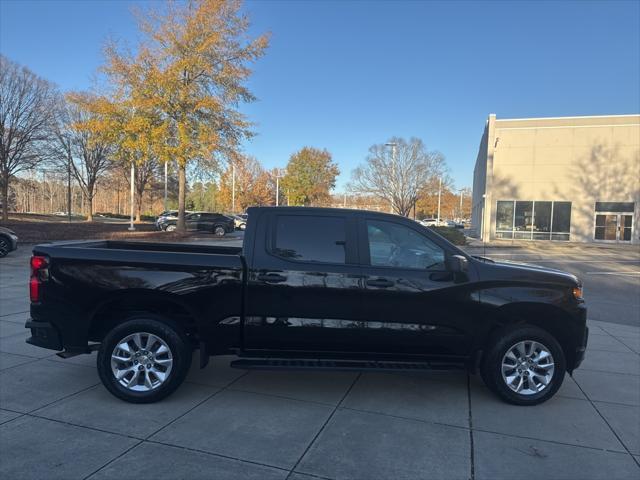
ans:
(189, 73)
(135, 132)
(253, 185)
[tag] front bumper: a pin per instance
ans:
(582, 348)
(44, 335)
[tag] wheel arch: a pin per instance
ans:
(119, 306)
(550, 318)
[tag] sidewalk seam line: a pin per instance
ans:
(326, 422)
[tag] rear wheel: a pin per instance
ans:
(144, 359)
(524, 366)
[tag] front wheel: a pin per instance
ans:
(170, 228)
(219, 231)
(524, 366)
(5, 246)
(144, 359)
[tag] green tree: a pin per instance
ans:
(310, 176)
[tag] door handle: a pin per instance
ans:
(271, 278)
(380, 282)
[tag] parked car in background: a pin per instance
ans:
(8, 241)
(311, 288)
(215, 223)
(240, 221)
(168, 215)
(429, 222)
(453, 224)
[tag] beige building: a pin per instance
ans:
(564, 179)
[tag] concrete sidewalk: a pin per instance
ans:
(57, 421)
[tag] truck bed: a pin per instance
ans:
(144, 252)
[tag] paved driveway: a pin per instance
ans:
(57, 421)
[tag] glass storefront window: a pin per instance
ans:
(627, 223)
(523, 220)
(562, 217)
(504, 216)
(529, 220)
(542, 220)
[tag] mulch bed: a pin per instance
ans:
(43, 230)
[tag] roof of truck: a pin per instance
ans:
(326, 209)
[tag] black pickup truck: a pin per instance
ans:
(311, 288)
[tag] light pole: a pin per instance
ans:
(69, 189)
(439, 197)
(165, 184)
(233, 188)
(278, 174)
(393, 146)
(133, 173)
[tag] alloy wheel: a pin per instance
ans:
(141, 361)
(4, 247)
(527, 367)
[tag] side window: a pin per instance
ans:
(310, 238)
(393, 245)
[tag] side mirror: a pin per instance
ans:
(457, 264)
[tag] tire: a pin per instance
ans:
(149, 385)
(544, 361)
(170, 228)
(5, 246)
(219, 231)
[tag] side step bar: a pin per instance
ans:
(344, 365)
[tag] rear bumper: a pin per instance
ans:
(44, 335)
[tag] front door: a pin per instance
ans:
(191, 221)
(304, 288)
(613, 227)
(414, 305)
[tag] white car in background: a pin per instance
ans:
(429, 222)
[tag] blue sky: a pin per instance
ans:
(346, 75)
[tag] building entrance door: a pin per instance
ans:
(613, 227)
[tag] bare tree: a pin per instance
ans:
(26, 112)
(84, 152)
(399, 172)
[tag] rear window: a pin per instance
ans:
(310, 238)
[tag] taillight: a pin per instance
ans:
(39, 273)
(34, 290)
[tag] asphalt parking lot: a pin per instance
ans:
(57, 421)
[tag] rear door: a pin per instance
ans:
(413, 304)
(304, 283)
